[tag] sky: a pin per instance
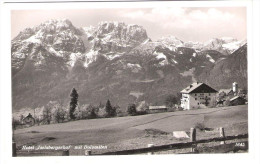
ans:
(185, 23)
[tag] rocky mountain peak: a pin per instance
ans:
(228, 39)
(118, 36)
(55, 25)
(225, 45)
(119, 30)
(171, 42)
(49, 59)
(26, 33)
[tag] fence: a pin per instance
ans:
(191, 144)
(150, 149)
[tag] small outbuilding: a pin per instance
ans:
(155, 109)
(237, 100)
(29, 120)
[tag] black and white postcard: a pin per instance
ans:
(129, 78)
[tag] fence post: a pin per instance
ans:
(66, 152)
(150, 145)
(88, 152)
(14, 149)
(222, 135)
(193, 139)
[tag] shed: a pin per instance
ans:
(29, 120)
(162, 108)
(237, 100)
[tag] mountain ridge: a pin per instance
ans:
(112, 60)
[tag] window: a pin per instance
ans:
(195, 94)
(198, 103)
(195, 98)
(209, 94)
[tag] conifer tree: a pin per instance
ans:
(73, 103)
(109, 108)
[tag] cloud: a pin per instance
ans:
(135, 14)
(198, 15)
(219, 15)
(202, 20)
(190, 23)
(180, 16)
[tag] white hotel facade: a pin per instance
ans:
(198, 95)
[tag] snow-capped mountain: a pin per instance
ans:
(194, 45)
(225, 45)
(171, 42)
(110, 60)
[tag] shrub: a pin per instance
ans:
(141, 112)
(89, 112)
(227, 102)
(171, 100)
(84, 114)
(15, 123)
(180, 109)
(60, 115)
(109, 109)
(171, 109)
(92, 112)
(131, 109)
(113, 112)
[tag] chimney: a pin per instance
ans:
(190, 86)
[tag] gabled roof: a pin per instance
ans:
(29, 116)
(225, 90)
(157, 107)
(198, 88)
(236, 97)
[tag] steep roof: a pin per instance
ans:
(198, 88)
(29, 116)
(225, 90)
(237, 97)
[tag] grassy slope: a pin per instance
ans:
(129, 132)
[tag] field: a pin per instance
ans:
(135, 131)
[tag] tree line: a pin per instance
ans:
(57, 112)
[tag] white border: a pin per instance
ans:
(253, 69)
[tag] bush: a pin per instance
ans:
(227, 102)
(141, 112)
(89, 112)
(60, 115)
(171, 109)
(92, 112)
(120, 113)
(113, 112)
(180, 109)
(15, 123)
(110, 111)
(131, 110)
(171, 100)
